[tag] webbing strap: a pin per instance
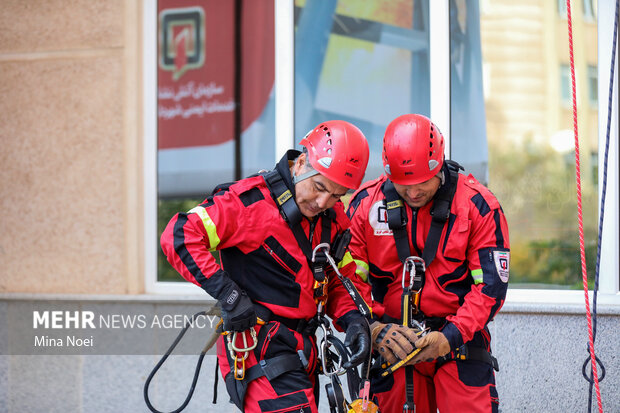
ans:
(440, 211)
(283, 194)
(272, 368)
(409, 405)
(397, 220)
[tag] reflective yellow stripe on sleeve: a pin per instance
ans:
(362, 270)
(345, 260)
(477, 275)
(209, 225)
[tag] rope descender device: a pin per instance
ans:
(240, 354)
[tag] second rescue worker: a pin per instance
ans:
(266, 228)
(456, 230)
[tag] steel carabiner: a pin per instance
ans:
(409, 266)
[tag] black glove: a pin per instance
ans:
(357, 338)
(237, 309)
(240, 315)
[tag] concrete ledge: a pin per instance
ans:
(517, 301)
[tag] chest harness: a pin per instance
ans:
(414, 267)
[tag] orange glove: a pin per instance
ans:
(433, 345)
(392, 341)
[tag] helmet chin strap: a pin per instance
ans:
(441, 176)
(305, 175)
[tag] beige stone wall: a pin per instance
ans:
(70, 156)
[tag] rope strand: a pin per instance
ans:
(584, 270)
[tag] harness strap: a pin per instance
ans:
(469, 352)
(300, 325)
(409, 405)
(397, 220)
(270, 368)
(283, 193)
(440, 211)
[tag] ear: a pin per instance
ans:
(299, 164)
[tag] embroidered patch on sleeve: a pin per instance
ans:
(502, 264)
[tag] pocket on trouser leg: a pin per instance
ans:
(475, 373)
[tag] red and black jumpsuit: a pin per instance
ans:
(260, 253)
(464, 287)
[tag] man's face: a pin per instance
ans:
(418, 195)
(317, 193)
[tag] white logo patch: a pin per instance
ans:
(377, 217)
(502, 264)
(232, 297)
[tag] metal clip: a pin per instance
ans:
(322, 246)
(232, 343)
(335, 367)
(409, 266)
(231, 339)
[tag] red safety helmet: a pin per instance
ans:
(339, 151)
(413, 150)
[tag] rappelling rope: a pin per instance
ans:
(602, 211)
(584, 271)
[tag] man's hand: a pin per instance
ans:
(358, 340)
(394, 342)
(433, 345)
(238, 314)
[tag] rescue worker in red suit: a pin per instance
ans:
(265, 228)
(463, 287)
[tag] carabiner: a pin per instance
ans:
(232, 343)
(409, 266)
(323, 245)
(323, 348)
(239, 373)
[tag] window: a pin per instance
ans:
(519, 136)
(562, 11)
(215, 106)
(565, 85)
(593, 85)
(588, 11)
(365, 62)
(524, 139)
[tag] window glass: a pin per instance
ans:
(562, 8)
(588, 10)
(593, 85)
(365, 62)
(215, 111)
(566, 95)
(528, 130)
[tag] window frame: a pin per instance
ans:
(440, 112)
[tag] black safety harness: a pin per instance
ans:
(416, 267)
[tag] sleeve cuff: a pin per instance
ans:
(453, 335)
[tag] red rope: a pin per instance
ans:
(584, 271)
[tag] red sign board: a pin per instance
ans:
(196, 64)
